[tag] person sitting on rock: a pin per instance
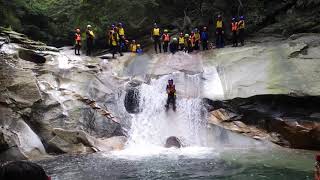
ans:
(171, 91)
(139, 49)
(23, 170)
(133, 46)
(77, 38)
(174, 46)
(317, 168)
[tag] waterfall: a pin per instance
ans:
(153, 124)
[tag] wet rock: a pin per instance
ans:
(115, 143)
(31, 56)
(76, 141)
(173, 142)
(17, 139)
(132, 100)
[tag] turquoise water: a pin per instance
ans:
(237, 164)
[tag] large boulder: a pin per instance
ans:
(69, 141)
(173, 142)
(18, 141)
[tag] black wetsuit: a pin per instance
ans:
(89, 43)
(171, 90)
(174, 47)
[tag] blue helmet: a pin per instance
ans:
(233, 19)
(241, 17)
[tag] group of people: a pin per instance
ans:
(237, 29)
(116, 39)
(187, 42)
(184, 42)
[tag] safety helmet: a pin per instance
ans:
(196, 30)
(120, 24)
(134, 41)
(181, 34)
(205, 27)
(138, 45)
(233, 19)
(89, 26)
(112, 26)
(155, 24)
(242, 17)
(77, 30)
(174, 39)
(166, 30)
(186, 35)
(219, 16)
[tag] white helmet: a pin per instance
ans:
(89, 26)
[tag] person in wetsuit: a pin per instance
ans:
(171, 91)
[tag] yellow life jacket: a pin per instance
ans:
(156, 31)
(181, 40)
(114, 39)
(241, 24)
(133, 48)
(91, 33)
(197, 36)
(121, 32)
(219, 24)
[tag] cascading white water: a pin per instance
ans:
(154, 125)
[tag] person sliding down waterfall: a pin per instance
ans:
(171, 91)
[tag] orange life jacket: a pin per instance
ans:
(78, 37)
(234, 26)
(166, 37)
(171, 89)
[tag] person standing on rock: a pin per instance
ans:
(234, 30)
(122, 37)
(219, 32)
(77, 38)
(181, 42)
(90, 38)
(241, 27)
(317, 168)
(204, 38)
(165, 40)
(115, 42)
(197, 39)
(155, 34)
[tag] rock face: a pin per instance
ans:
(173, 142)
(288, 121)
(43, 90)
(266, 67)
